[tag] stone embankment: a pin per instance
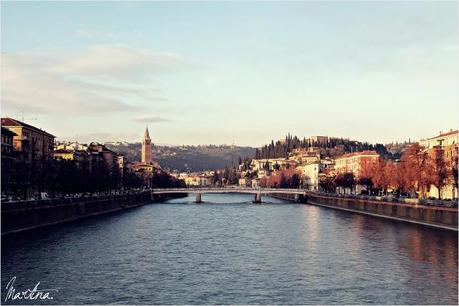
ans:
(27, 215)
(435, 216)
(409, 211)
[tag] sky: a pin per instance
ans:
(231, 72)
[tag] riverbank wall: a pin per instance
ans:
(440, 217)
(28, 215)
(158, 198)
(289, 197)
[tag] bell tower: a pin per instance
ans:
(146, 148)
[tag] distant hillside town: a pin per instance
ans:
(35, 165)
(424, 169)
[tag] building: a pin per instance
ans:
(146, 172)
(7, 146)
(146, 148)
(32, 149)
(305, 156)
(146, 154)
(7, 158)
(326, 165)
(147, 167)
(310, 176)
(449, 190)
(180, 176)
(73, 150)
(197, 179)
(245, 182)
(31, 143)
(353, 162)
(447, 144)
(272, 164)
(100, 155)
(322, 141)
(318, 140)
(70, 145)
(63, 154)
(90, 157)
(122, 164)
(442, 140)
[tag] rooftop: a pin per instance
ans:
(451, 132)
(62, 151)
(368, 152)
(7, 121)
(8, 132)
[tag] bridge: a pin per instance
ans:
(258, 192)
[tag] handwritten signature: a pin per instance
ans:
(29, 294)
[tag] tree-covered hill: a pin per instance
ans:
(187, 158)
(333, 147)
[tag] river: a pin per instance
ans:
(229, 251)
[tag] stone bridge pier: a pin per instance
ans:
(257, 199)
(198, 198)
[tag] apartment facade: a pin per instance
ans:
(310, 174)
(447, 144)
(31, 143)
(353, 162)
(443, 140)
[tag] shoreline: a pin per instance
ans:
(415, 214)
(22, 217)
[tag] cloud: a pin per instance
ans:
(100, 80)
(151, 119)
(120, 62)
(99, 137)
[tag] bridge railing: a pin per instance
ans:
(228, 189)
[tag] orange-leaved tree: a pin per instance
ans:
(366, 174)
(380, 179)
(417, 169)
(440, 171)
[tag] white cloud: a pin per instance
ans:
(151, 119)
(102, 79)
(119, 62)
(99, 137)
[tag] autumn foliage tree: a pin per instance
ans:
(345, 180)
(380, 177)
(365, 177)
(394, 175)
(439, 169)
(287, 178)
(415, 173)
(327, 184)
(418, 169)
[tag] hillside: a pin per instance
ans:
(187, 158)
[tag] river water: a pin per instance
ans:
(229, 251)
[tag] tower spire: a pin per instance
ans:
(146, 147)
(147, 134)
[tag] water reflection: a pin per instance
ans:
(311, 234)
